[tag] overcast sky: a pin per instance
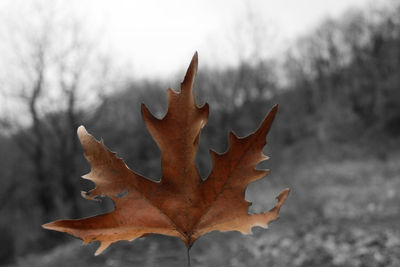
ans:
(157, 38)
(161, 36)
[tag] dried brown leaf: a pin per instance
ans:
(181, 204)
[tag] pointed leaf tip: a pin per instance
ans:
(273, 111)
(267, 122)
(102, 247)
(282, 197)
(81, 131)
(195, 57)
(284, 194)
(52, 226)
(191, 72)
(46, 226)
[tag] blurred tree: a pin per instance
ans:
(347, 71)
(54, 68)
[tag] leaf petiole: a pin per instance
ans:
(188, 255)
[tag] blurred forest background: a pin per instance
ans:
(335, 142)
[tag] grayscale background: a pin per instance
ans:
(332, 66)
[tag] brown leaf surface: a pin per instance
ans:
(181, 204)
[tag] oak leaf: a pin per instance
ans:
(181, 204)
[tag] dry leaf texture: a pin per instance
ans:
(181, 204)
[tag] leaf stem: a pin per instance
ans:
(188, 255)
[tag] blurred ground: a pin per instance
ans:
(339, 213)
